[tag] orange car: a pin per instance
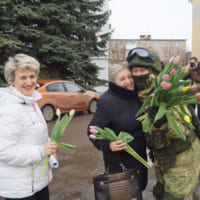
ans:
(64, 95)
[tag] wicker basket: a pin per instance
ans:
(118, 186)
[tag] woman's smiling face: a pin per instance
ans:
(25, 81)
(124, 79)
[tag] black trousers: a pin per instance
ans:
(41, 195)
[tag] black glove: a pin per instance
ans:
(152, 111)
(195, 121)
(196, 124)
(151, 155)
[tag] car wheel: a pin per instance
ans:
(48, 112)
(92, 107)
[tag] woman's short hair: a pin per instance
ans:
(114, 69)
(19, 61)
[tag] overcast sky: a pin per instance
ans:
(162, 19)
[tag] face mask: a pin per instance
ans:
(142, 81)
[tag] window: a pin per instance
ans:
(166, 52)
(157, 52)
(56, 87)
(72, 88)
(149, 44)
(167, 44)
(176, 44)
(121, 43)
(140, 43)
(176, 52)
(130, 43)
(157, 44)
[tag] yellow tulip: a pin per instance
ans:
(185, 89)
(187, 119)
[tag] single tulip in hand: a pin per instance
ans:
(50, 147)
(108, 134)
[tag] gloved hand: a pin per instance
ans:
(195, 121)
(152, 110)
(196, 124)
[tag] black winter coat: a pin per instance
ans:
(116, 109)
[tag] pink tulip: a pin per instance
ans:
(171, 59)
(174, 59)
(198, 97)
(93, 130)
(172, 72)
(92, 136)
(152, 76)
(194, 87)
(165, 85)
(165, 77)
(58, 112)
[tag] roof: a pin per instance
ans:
(49, 81)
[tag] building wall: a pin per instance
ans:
(196, 28)
(165, 49)
(102, 61)
(103, 73)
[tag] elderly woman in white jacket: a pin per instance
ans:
(23, 133)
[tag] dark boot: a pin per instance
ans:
(158, 190)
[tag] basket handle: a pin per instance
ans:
(119, 160)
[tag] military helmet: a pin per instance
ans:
(141, 57)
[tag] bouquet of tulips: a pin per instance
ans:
(170, 95)
(58, 130)
(108, 134)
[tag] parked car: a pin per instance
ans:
(65, 95)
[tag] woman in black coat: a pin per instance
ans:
(116, 109)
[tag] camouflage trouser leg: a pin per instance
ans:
(167, 196)
(181, 179)
(160, 194)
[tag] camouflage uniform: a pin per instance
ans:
(177, 163)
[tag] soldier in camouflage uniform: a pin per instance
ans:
(177, 162)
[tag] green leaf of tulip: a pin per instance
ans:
(67, 146)
(125, 137)
(57, 131)
(110, 135)
(172, 122)
(161, 111)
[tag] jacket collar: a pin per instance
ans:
(17, 97)
(122, 92)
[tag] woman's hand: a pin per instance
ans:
(50, 148)
(117, 145)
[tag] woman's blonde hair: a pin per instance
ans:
(19, 61)
(114, 69)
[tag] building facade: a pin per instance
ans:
(196, 28)
(165, 48)
(102, 61)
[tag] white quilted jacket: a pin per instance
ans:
(23, 131)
